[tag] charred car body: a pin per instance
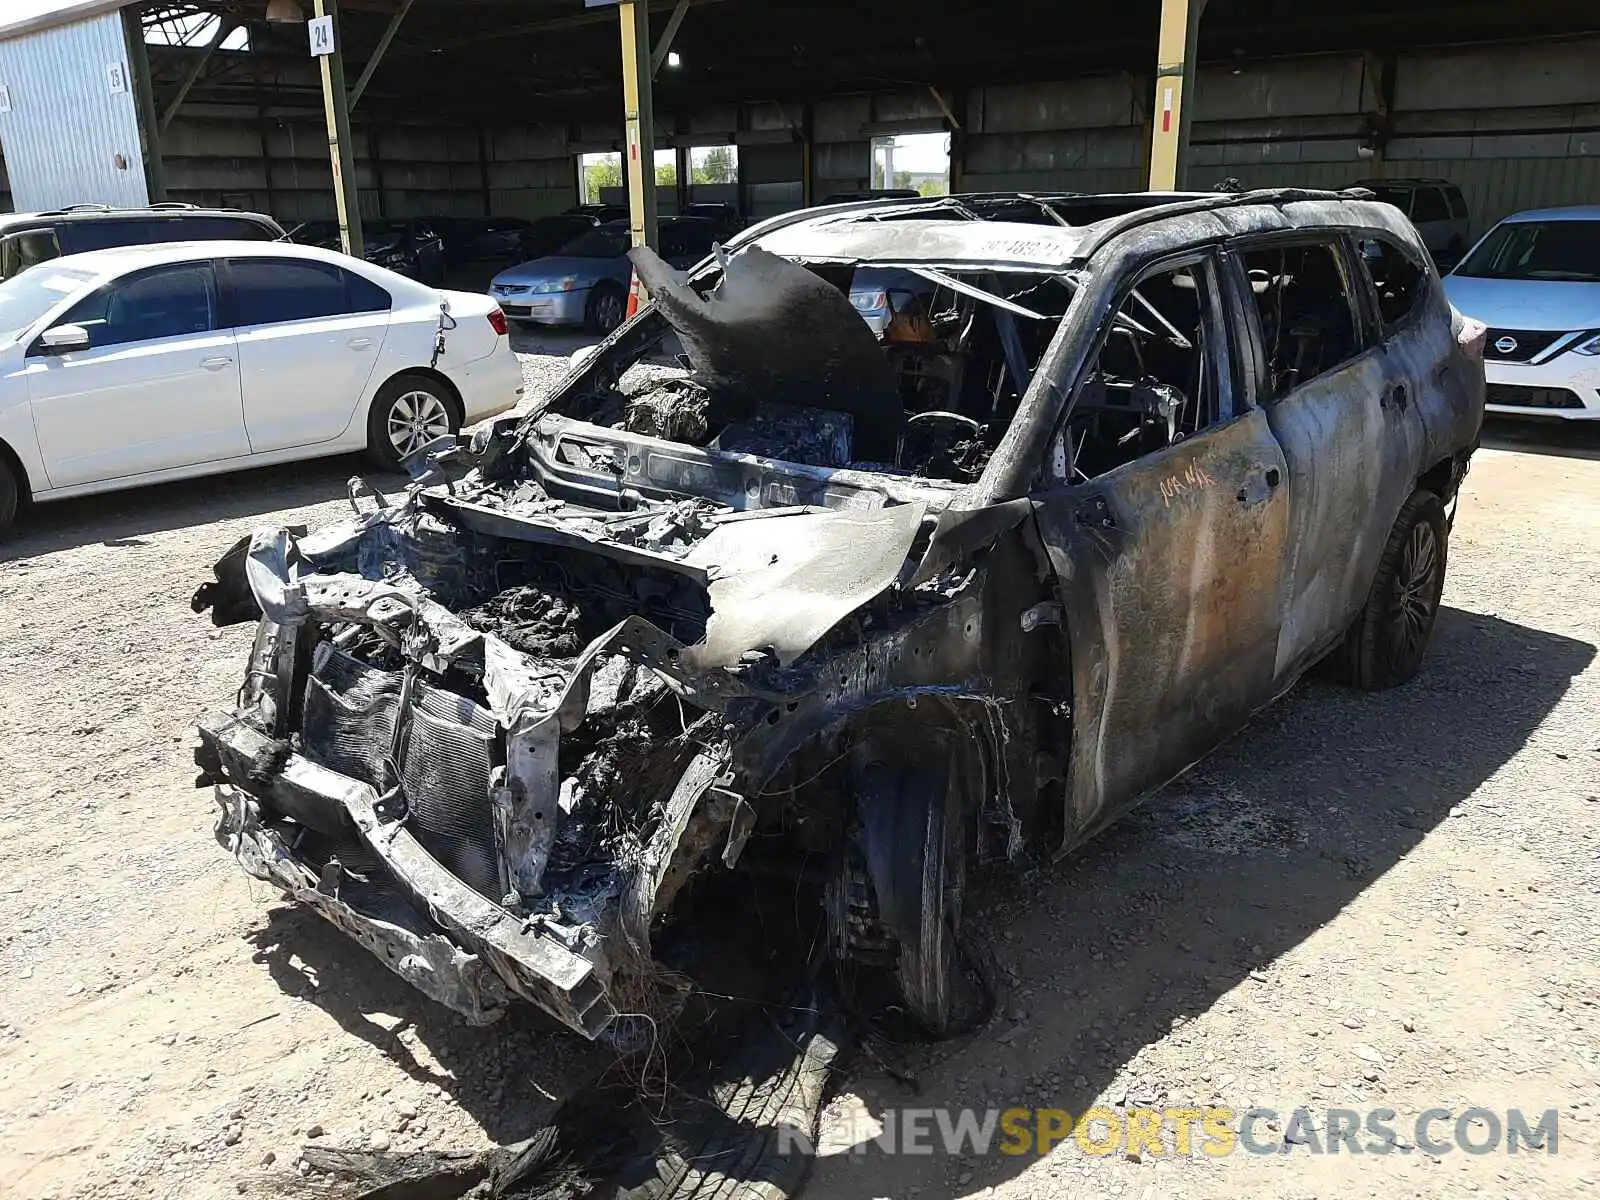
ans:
(864, 609)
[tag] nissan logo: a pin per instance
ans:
(1506, 345)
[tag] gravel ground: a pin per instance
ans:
(1361, 901)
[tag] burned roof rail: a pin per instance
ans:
(783, 220)
(1116, 226)
(894, 203)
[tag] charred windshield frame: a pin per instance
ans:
(994, 303)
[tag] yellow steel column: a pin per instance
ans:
(1175, 54)
(341, 149)
(640, 156)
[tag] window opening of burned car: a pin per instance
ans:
(1159, 376)
(897, 368)
(1398, 279)
(1307, 310)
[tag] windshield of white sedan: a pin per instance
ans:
(901, 369)
(1556, 250)
(27, 297)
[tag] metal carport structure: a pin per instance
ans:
(483, 105)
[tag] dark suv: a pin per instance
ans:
(29, 238)
(846, 610)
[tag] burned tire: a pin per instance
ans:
(408, 412)
(913, 840)
(1385, 645)
(10, 495)
(607, 309)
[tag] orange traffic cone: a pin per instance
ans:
(636, 295)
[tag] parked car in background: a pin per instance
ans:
(496, 239)
(726, 217)
(548, 234)
(30, 238)
(883, 295)
(408, 246)
(586, 281)
(762, 615)
(147, 363)
(601, 212)
(1436, 207)
(455, 233)
(1535, 281)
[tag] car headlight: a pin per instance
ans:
(1588, 344)
(549, 286)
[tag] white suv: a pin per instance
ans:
(1535, 281)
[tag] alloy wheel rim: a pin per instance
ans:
(1414, 593)
(610, 312)
(415, 419)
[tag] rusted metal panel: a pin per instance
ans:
(74, 117)
(1170, 569)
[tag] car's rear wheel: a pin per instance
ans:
(1385, 646)
(607, 308)
(10, 495)
(410, 411)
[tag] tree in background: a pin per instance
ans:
(716, 165)
(605, 172)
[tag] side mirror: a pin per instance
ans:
(64, 339)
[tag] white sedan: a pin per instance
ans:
(1534, 280)
(147, 363)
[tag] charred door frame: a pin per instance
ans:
(1170, 569)
(1343, 463)
(1435, 382)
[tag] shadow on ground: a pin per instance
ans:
(1223, 872)
(507, 1076)
(122, 518)
(1565, 439)
(1219, 875)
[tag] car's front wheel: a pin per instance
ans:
(896, 899)
(409, 412)
(1385, 646)
(607, 308)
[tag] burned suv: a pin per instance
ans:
(758, 589)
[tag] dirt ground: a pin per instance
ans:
(1362, 901)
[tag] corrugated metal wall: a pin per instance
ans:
(1517, 126)
(278, 163)
(67, 126)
